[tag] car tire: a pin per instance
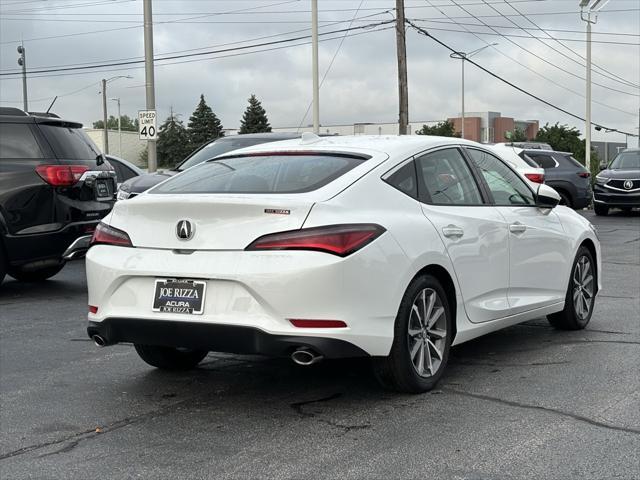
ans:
(601, 209)
(170, 358)
(581, 293)
(565, 199)
(418, 347)
(36, 275)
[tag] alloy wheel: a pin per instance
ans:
(583, 287)
(427, 332)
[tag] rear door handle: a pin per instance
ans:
(452, 231)
(517, 227)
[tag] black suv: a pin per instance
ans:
(55, 186)
(565, 174)
(618, 185)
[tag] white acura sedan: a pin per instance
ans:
(394, 248)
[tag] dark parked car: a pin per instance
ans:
(136, 186)
(565, 174)
(618, 185)
(124, 170)
(55, 186)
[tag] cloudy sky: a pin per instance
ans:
(361, 84)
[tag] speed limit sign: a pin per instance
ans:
(147, 129)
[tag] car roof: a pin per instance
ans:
(631, 149)
(392, 145)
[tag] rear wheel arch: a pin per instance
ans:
(445, 279)
(589, 245)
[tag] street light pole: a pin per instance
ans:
(149, 78)
(105, 131)
(463, 56)
(314, 61)
(119, 126)
(22, 61)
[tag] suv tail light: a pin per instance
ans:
(584, 174)
(341, 240)
(106, 235)
(535, 177)
(61, 175)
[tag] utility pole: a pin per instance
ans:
(119, 127)
(22, 61)
(105, 133)
(314, 61)
(401, 47)
(149, 78)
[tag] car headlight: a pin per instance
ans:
(602, 180)
(123, 192)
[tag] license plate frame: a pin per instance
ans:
(183, 300)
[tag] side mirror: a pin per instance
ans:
(547, 197)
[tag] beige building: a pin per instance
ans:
(128, 146)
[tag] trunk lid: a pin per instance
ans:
(218, 222)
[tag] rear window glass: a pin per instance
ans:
(69, 143)
(17, 142)
(277, 173)
(574, 162)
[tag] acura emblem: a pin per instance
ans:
(185, 230)
(628, 184)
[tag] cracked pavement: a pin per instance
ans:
(526, 402)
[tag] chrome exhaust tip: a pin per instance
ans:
(305, 357)
(99, 341)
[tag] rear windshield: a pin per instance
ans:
(574, 162)
(69, 143)
(219, 147)
(626, 161)
(277, 173)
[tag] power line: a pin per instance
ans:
(520, 89)
(583, 65)
(565, 71)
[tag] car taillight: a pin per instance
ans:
(535, 177)
(93, 309)
(106, 235)
(584, 174)
(341, 240)
(61, 175)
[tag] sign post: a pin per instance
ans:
(147, 128)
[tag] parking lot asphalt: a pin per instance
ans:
(525, 402)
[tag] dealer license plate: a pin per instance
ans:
(179, 296)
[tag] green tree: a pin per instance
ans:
(173, 142)
(567, 139)
(127, 124)
(255, 118)
(203, 125)
(517, 135)
(441, 129)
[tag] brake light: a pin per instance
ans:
(535, 177)
(341, 240)
(61, 175)
(584, 174)
(317, 323)
(106, 235)
(93, 309)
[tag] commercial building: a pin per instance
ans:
(491, 127)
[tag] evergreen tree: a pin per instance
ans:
(203, 125)
(255, 118)
(441, 129)
(173, 142)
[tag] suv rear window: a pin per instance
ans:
(69, 143)
(17, 142)
(272, 173)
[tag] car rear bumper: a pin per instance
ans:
(37, 247)
(217, 338)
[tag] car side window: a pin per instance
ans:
(447, 179)
(544, 161)
(506, 187)
(18, 142)
(405, 180)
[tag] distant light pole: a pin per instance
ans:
(592, 9)
(463, 56)
(22, 61)
(105, 140)
(314, 62)
(119, 127)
